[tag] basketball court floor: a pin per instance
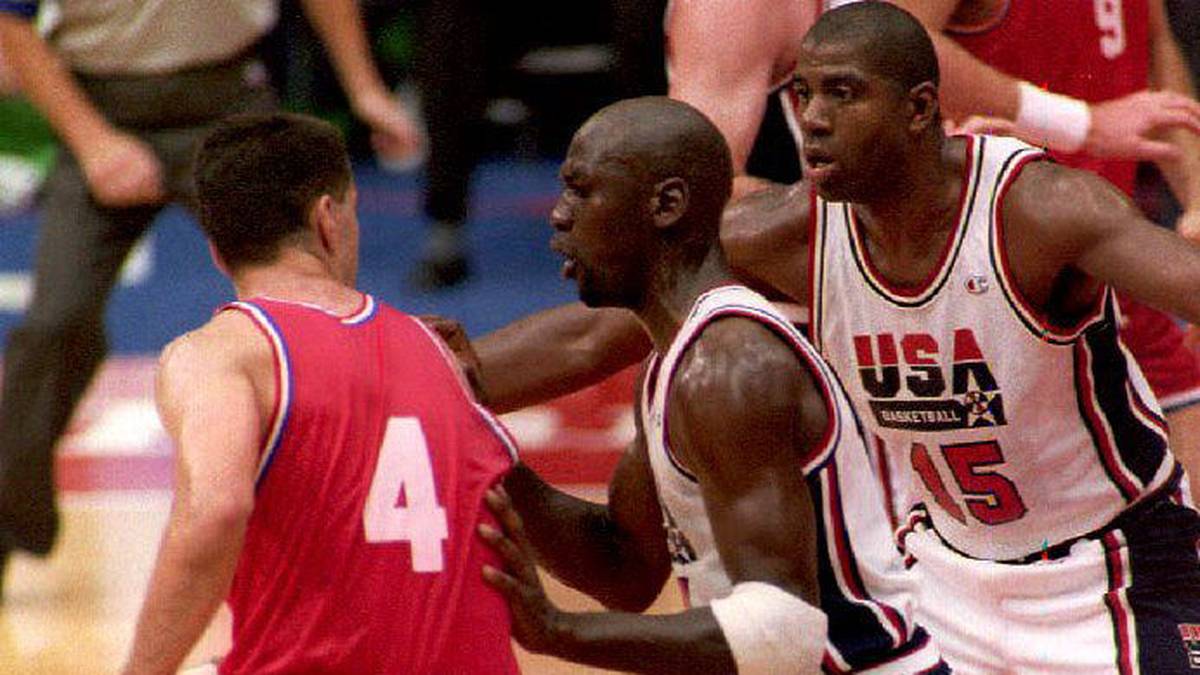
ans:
(75, 611)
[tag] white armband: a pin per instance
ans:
(770, 630)
(1053, 120)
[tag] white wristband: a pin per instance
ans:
(770, 631)
(1053, 120)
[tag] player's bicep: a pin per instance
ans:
(738, 404)
(765, 237)
(211, 409)
(720, 61)
(934, 15)
(1079, 220)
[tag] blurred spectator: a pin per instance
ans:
(129, 87)
(1154, 195)
(467, 52)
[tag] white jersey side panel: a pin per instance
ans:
(1015, 433)
(865, 590)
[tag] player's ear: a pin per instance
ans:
(669, 202)
(923, 103)
(218, 261)
(322, 223)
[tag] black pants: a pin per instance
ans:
(466, 51)
(51, 357)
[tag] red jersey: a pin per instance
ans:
(1093, 50)
(361, 554)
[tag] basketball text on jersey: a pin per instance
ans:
(678, 546)
(909, 388)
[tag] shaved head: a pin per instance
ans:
(891, 42)
(658, 138)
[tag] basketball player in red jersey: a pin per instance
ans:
(301, 413)
(1074, 77)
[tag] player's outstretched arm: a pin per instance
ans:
(1058, 221)
(723, 56)
(120, 169)
(555, 352)
(744, 415)
(394, 133)
(615, 552)
(988, 100)
(209, 405)
(765, 239)
(1169, 72)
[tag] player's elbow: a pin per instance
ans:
(639, 583)
(635, 596)
(217, 522)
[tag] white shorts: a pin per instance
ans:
(1124, 601)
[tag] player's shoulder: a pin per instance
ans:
(228, 340)
(1047, 194)
(736, 359)
(740, 26)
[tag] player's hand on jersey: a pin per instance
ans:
(536, 622)
(1132, 127)
(395, 135)
(455, 337)
(121, 170)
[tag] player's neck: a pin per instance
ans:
(675, 290)
(920, 208)
(297, 279)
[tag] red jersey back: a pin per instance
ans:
(361, 554)
(1094, 50)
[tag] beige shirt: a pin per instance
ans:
(142, 37)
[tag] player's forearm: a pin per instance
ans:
(339, 25)
(690, 642)
(556, 352)
(49, 86)
(578, 542)
(1154, 266)
(1169, 72)
(191, 577)
(764, 238)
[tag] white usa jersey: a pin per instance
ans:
(1015, 433)
(865, 589)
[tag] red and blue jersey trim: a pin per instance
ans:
(283, 383)
(1129, 436)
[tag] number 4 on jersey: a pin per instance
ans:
(404, 467)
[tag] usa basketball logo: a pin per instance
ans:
(977, 284)
(917, 382)
(1190, 632)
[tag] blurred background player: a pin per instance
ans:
(471, 49)
(301, 413)
(747, 472)
(129, 88)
